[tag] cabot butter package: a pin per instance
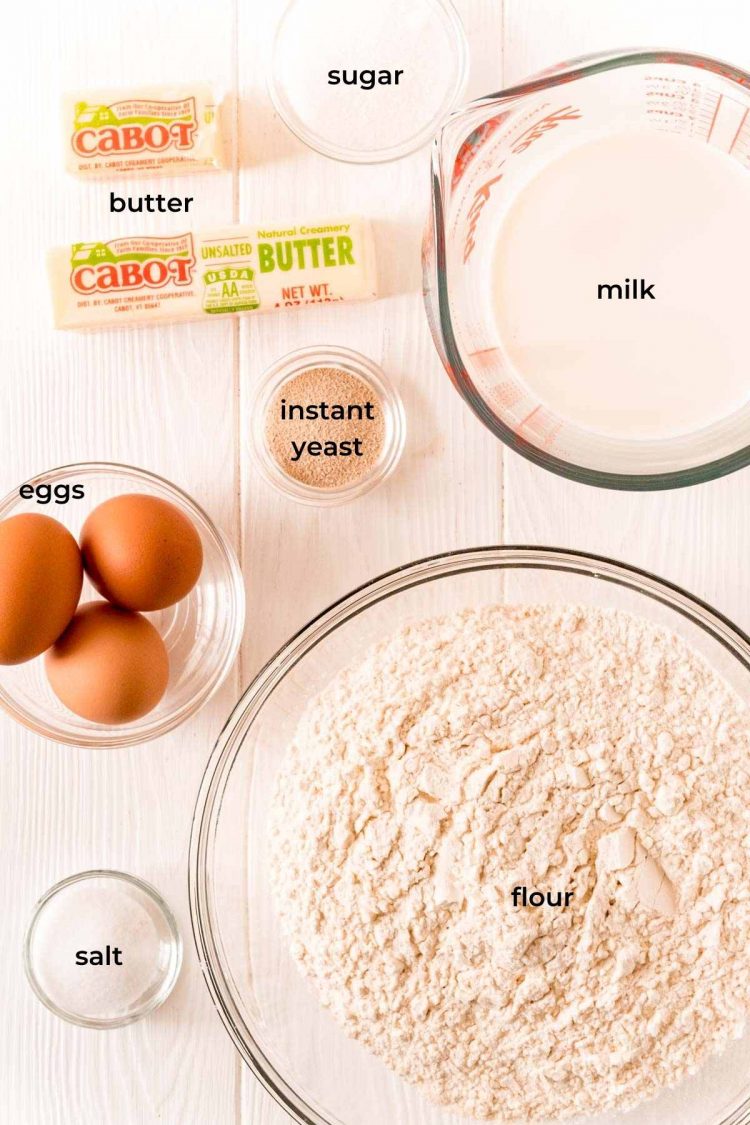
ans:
(155, 130)
(148, 279)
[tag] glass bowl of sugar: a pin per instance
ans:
(381, 79)
(290, 1040)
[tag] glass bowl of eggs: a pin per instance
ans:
(122, 605)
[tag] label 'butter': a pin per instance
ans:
(158, 129)
(146, 279)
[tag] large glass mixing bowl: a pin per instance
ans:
(287, 1039)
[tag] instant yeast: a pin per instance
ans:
(147, 279)
(159, 129)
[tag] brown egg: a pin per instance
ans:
(109, 666)
(40, 584)
(141, 552)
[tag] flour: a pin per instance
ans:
(561, 749)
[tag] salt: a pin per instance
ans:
(102, 949)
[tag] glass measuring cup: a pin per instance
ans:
(483, 157)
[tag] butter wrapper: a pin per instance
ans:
(241, 269)
(157, 130)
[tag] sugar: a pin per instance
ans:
(414, 41)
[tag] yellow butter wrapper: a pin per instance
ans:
(145, 279)
(157, 130)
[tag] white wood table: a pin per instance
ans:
(175, 401)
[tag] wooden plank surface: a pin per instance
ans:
(177, 401)
(163, 400)
(447, 491)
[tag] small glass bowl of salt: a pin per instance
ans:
(102, 949)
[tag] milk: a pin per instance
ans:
(658, 215)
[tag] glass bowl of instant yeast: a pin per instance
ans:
(291, 1043)
(353, 423)
(201, 632)
(128, 924)
(608, 345)
(383, 76)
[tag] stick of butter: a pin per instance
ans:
(157, 129)
(146, 279)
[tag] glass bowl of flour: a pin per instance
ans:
(475, 846)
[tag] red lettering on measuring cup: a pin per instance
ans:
(478, 203)
(524, 141)
(539, 128)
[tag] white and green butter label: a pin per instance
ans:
(188, 276)
(230, 290)
(133, 126)
(150, 130)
